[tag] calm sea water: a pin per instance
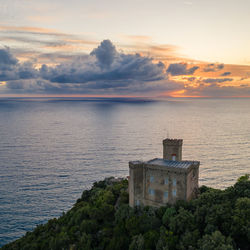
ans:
(53, 149)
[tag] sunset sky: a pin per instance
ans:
(145, 48)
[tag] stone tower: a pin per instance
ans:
(163, 180)
(172, 149)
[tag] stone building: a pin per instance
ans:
(163, 180)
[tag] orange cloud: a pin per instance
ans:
(52, 47)
(28, 29)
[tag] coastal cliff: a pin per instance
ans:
(102, 219)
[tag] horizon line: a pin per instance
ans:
(121, 96)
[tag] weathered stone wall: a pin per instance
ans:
(135, 183)
(156, 180)
(172, 147)
(192, 182)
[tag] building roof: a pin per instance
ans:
(172, 164)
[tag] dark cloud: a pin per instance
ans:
(217, 80)
(105, 53)
(108, 71)
(226, 73)
(104, 70)
(32, 85)
(213, 67)
(176, 69)
(105, 65)
(220, 66)
(11, 69)
(7, 60)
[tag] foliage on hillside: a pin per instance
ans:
(102, 219)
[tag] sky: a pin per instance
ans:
(125, 48)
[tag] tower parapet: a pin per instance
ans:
(172, 149)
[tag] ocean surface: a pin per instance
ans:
(51, 149)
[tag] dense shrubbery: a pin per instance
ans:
(102, 219)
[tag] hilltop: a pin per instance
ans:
(102, 219)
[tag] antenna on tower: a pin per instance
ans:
(167, 134)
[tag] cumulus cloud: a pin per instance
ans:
(108, 71)
(105, 53)
(212, 67)
(107, 67)
(176, 69)
(11, 69)
(7, 60)
(104, 70)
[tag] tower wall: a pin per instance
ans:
(172, 149)
(135, 183)
(176, 180)
(193, 182)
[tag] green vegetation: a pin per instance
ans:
(102, 219)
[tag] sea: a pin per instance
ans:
(51, 149)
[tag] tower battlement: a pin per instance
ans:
(172, 142)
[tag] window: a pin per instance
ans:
(151, 179)
(173, 157)
(174, 192)
(166, 181)
(137, 203)
(151, 191)
(174, 182)
(166, 194)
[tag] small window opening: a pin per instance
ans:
(166, 181)
(173, 157)
(166, 194)
(174, 182)
(151, 191)
(174, 192)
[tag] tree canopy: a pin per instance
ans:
(102, 219)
